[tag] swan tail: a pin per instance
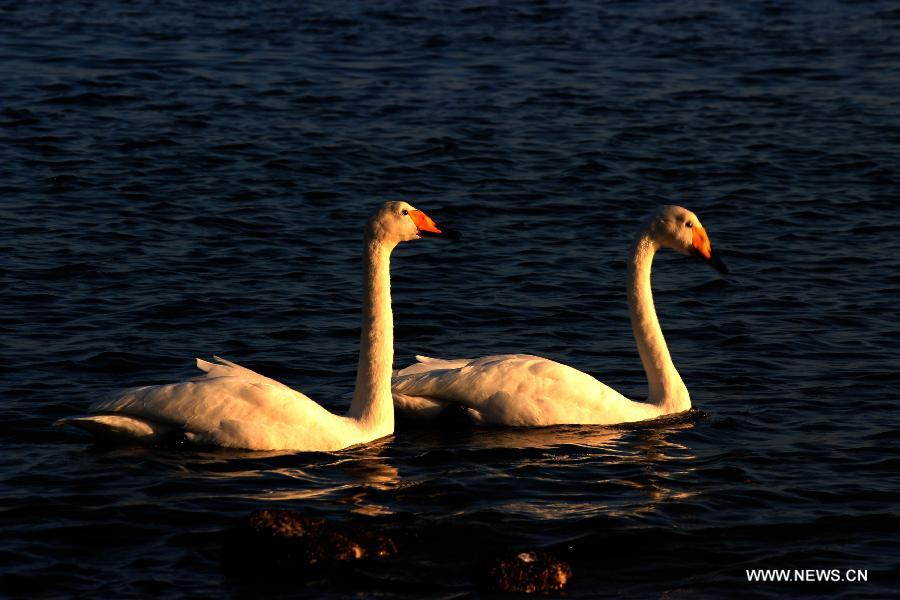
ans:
(426, 364)
(116, 428)
(225, 368)
(443, 363)
(220, 367)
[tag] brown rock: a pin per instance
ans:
(279, 538)
(531, 572)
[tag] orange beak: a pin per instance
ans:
(701, 246)
(424, 222)
(701, 243)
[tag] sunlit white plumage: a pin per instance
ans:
(235, 407)
(525, 390)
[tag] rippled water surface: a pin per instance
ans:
(184, 179)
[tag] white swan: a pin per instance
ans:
(234, 407)
(524, 390)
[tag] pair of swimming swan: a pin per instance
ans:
(235, 407)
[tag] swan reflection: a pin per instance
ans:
(347, 479)
(552, 473)
(627, 470)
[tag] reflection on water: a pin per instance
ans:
(349, 480)
(345, 478)
(649, 447)
(664, 462)
(571, 471)
(594, 437)
(561, 472)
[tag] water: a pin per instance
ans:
(183, 179)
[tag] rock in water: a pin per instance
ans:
(529, 573)
(284, 539)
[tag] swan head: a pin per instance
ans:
(398, 221)
(678, 228)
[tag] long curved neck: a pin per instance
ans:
(666, 389)
(372, 403)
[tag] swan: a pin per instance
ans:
(234, 407)
(525, 390)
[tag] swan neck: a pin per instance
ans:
(372, 404)
(665, 387)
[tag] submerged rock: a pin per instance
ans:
(284, 539)
(531, 572)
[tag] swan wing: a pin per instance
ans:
(517, 390)
(235, 407)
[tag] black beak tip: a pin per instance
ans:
(716, 261)
(452, 234)
(446, 234)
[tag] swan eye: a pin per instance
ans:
(688, 224)
(405, 212)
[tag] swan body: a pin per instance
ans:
(235, 407)
(515, 390)
(525, 390)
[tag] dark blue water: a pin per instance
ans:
(183, 179)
